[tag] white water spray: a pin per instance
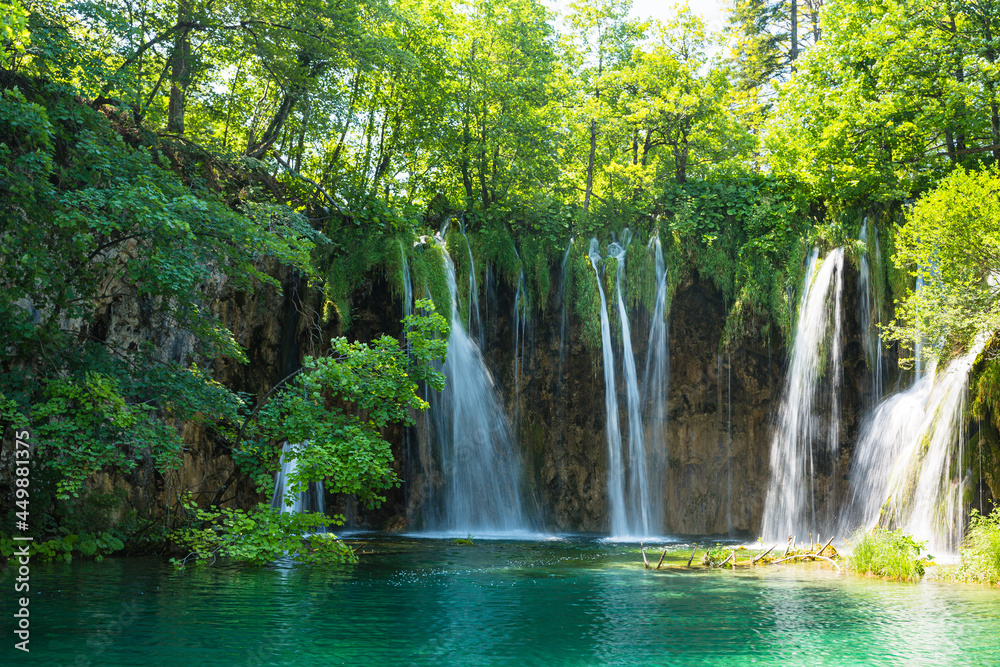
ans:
(805, 429)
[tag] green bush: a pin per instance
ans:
(891, 554)
(258, 536)
(95, 546)
(981, 550)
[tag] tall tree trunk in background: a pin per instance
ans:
(590, 165)
(794, 52)
(960, 78)
(991, 57)
(814, 7)
(180, 71)
(467, 131)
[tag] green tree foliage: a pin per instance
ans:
(258, 536)
(90, 226)
(340, 405)
(896, 94)
(981, 549)
(951, 243)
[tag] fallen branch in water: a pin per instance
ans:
(662, 556)
(643, 550)
(693, 551)
(753, 561)
(825, 546)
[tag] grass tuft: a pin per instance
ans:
(890, 554)
(981, 550)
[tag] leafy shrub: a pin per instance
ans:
(891, 554)
(95, 546)
(981, 550)
(258, 536)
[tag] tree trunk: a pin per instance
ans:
(590, 165)
(180, 71)
(794, 52)
(467, 131)
(257, 149)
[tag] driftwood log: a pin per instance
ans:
(752, 562)
(825, 546)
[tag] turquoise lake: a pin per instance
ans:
(568, 601)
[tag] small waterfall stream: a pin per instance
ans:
(807, 430)
(480, 467)
(616, 493)
(907, 466)
(656, 387)
(638, 497)
(310, 500)
(870, 309)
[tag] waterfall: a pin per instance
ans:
(521, 312)
(638, 499)
(310, 500)
(729, 444)
(807, 431)
(885, 437)
(407, 283)
(480, 469)
(907, 466)
(616, 495)
(475, 326)
(869, 305)
(656, 386)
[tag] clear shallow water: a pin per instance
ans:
(574, 601)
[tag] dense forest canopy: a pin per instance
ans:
(146, 148)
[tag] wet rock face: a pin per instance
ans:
(562, 424)
(721, 410)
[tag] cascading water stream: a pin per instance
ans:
(521, 312)
(805, 429)
(310, 500)
(656, 386)
(906, 470)
(480, 466)
(616, 495)
(638, 497)
(407, 283)
(870, 310)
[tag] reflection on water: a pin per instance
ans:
(576, 601)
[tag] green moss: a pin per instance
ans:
(427, 268)
(584, 296)
(459, 250)
(537, 269)
(494, 245)
(640, 276)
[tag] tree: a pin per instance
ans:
(600, 47)
(891, 99)
(951, 243)
(340, 404)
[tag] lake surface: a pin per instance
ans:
(572, 601)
